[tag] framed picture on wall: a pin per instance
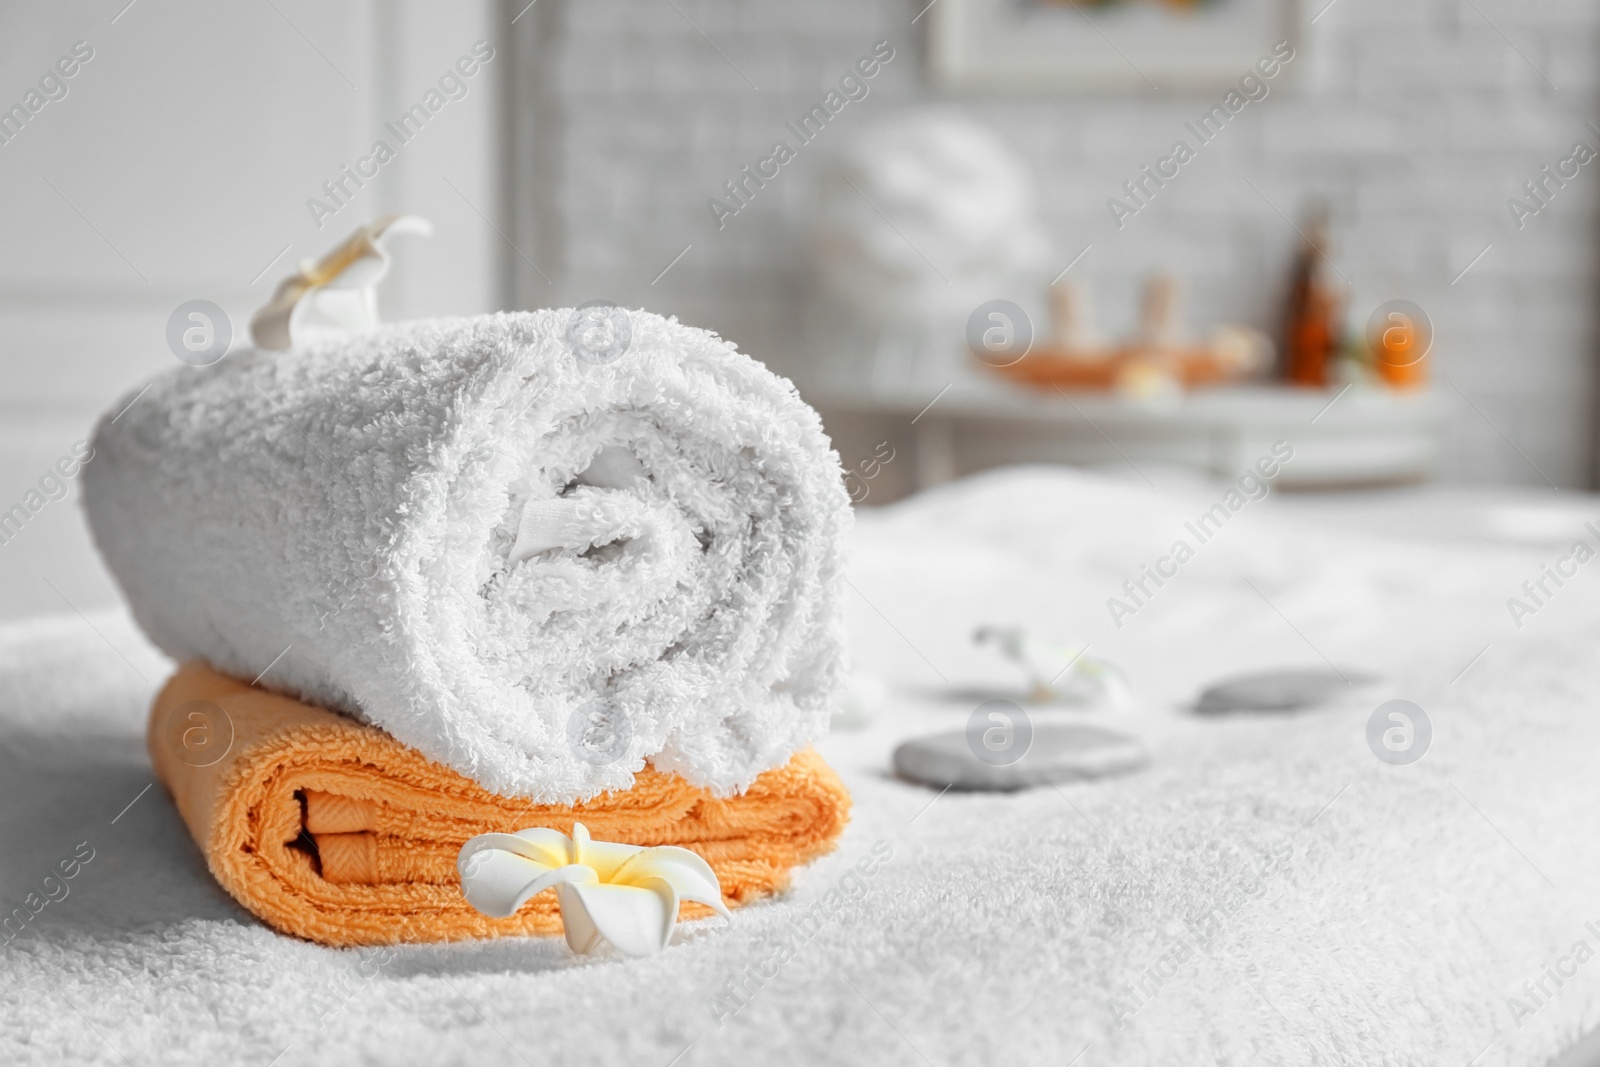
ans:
(1103, 45)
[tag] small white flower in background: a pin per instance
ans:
(625, 894)
(1058, 673)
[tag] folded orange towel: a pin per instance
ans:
(336, 832)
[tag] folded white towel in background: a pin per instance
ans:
(538, 562)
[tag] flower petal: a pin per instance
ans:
(541, 845)
(606, 857)
(556, 843)
(497, 880)
(690, 876)
(637, 920)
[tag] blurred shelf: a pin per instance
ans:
(1343, 437)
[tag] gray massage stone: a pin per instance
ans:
(1285, 690)
(1059, 752)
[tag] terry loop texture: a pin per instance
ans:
(332, 831)
(537, 568)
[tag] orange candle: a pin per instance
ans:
(1400, 337)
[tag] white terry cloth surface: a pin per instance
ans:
(1400, 908)
(498, 551)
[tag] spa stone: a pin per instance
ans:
(1285, 690)
(1059, 752)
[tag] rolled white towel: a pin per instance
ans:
(539, 547)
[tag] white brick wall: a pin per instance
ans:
(1416, 118)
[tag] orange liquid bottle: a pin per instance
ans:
(1313, 323)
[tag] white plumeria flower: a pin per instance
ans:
(625, 894)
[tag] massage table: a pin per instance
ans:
(1267, 891)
